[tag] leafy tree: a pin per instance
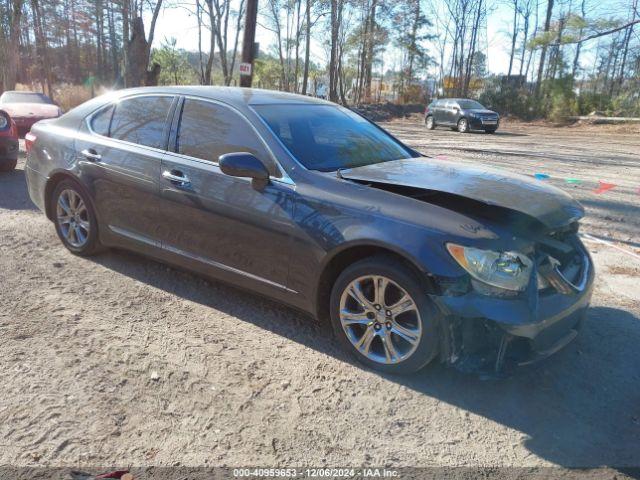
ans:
(175, 67)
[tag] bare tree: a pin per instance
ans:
(514, 35)
(543, 54)
(337, 7)
(41, 47)
(10, 47)
(220, 16)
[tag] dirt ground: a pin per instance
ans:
(587, 153)
(118, 360)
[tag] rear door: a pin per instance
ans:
(439, 112)
(221, 224)
(121, 158)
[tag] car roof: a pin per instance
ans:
(239, 98)
(235, 96)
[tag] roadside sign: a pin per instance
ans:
(245, 69)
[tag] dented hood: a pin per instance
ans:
(549, 205)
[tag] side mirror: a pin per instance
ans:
(243, 164)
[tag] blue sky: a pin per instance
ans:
(178, 22)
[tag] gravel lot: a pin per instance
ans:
(118, 360)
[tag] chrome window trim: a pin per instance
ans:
(89, 118)
(285, 178)
(206, 163)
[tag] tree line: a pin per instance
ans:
(564, 55)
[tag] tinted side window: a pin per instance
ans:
(141, 120)
(101, 121)
(208, 130)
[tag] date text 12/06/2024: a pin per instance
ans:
(315, 472)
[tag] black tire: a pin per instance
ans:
(8, 166)
(92, 244)
(463, 125)
(430, 122)
(490, 130)
(403, 276)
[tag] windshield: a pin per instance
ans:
(470, 104)
(328, 138)
(24, 97)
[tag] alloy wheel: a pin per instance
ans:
(462, 125)
(429, 123)
(380, 319)
(73, 218)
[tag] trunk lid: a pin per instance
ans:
(31, 110)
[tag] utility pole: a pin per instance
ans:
(246, 67)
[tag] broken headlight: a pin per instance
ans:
(507, 270)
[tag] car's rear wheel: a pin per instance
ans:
(75, 219)
(430, 123)
(8, 166)
(383, 317)
(463, 125)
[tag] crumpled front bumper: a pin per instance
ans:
(485, 333)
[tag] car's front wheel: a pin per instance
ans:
(75, 219)
(383, 317)
(430, 123)
(463, 125)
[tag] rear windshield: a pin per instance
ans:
(470, 104)
(24, 97)
(328, 138)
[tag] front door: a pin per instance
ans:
(440, 113)
(120, 158)
(450, 112)
(221, 224)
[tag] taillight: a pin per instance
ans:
(29, 140)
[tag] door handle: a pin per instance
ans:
(177, 178)
(91, 155)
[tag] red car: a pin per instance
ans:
(26, 108)
(8, 142)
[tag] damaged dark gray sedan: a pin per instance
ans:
(411, 258)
